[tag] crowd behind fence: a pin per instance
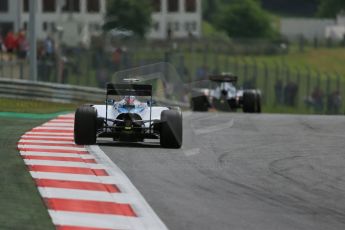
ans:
(300, 89)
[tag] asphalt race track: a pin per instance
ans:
(239, 171)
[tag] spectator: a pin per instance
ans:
(317, 99)
(294, 90)
(49, 47)
(22, 45)
(278, 90)
(290, 93)
(334, 102)
(10, 42)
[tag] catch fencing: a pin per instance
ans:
(284, 89)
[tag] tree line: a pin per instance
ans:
(237, 18)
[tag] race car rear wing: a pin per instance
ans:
(129, 89)
(224, 78)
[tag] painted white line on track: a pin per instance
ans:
(61, 122)
(82, 156)
(53, 128)
(187, 114)
(55, 152)
(49, 134)
(149, 218)
(66, 115)
(89, 220)
(38, 137)
(191, 152)
(46, 142)
(65, 164)
(57, 127)
(50, 124)
(214, 128)
(75, 177)
(62, 193)
(43, 147)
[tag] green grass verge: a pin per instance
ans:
(31, 106)
(323, 60)
(20, 202)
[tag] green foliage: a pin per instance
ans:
(210, 9)
(330, 8)
(245, 19)
(209, 32)
(130, 15)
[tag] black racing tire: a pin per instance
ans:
(258, 102)
(85, 125)
(199, 104)
(171, 129)
(249, 102)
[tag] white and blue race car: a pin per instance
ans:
(128, 120)
(223, 95)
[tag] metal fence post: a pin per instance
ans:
(236, 65)
(287, 74)
(298, 85)
(226, 63)
(308, 81)
(21, 69)
(2, 65)
(255, 73)
(245, 70)
(266, 75)
(11, 69)
(33, 39)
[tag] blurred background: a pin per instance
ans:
(292, 50)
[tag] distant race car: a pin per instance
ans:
(225, 96)
(128, 119)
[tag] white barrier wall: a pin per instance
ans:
(293, 28)
(22, 89)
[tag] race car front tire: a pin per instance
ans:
(85, 125)
(171, 129)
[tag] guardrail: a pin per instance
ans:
(23, 89)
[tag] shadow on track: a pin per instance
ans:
(155, 145)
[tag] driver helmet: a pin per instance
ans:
(129, 100)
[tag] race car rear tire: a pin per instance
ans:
(171, 129)
(258, 102)
(85, 125)
(199, 104)
(249, 102)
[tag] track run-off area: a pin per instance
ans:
(234, 171)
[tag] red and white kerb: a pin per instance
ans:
(81, 187)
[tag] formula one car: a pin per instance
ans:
(128, 119)
(225, 96)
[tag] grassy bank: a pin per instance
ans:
(323, 60)
(20, 202)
